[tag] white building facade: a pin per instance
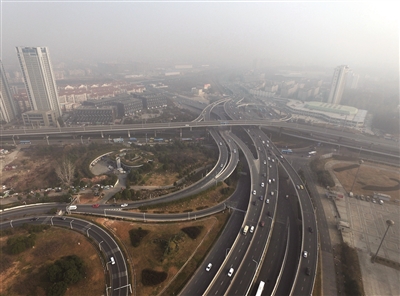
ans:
(338, 84)
(39, 79)
(8, 110)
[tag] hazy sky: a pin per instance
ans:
(360, 34)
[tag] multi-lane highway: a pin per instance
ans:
(240, 259)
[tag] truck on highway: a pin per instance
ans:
(287, 151)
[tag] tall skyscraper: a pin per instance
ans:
(8, 110)
(338, 84)
(39, 79)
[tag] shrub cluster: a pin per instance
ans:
(18, 244)
(192, 231)
(65, 271)
(136, 236)
(151, 277)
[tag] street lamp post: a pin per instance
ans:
(388, 223)
(355, 178)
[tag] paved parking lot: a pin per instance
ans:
(367, 227)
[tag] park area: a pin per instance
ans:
(25, 273)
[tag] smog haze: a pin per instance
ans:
(325, 34)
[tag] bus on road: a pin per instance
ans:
(260, 288)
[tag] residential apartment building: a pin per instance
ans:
(39, 79)
(8, 108)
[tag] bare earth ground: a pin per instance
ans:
(150, 255)
(369, 174)
(51, 245)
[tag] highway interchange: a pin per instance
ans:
(272, 253)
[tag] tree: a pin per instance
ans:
(66, 171)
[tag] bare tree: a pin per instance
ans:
(66, 171)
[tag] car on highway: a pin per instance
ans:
(220, 143)
(269, 158)
(267, 201)
(301, 187)
(265, 162)
(310, 229)
(254, 192)
(112, 260)
(95, 206)
(262, 223)
(298, 187)
(281, 156)
(251, 229)
(307, 271)
(230, 272)
(261, 197)
(262, 184)
(305, 254)
(208, 268)
(124, 205)
(234, 150)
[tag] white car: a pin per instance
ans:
(254, 192)
(124, 205)
(262, 184)
(305, 254)
(208, 268)
(267, 201)
(112, 260)
(251, 229)
(230, 272)
(265, 162)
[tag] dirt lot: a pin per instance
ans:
(150, 255)
(54, 243)
(370, 176)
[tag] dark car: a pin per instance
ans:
(310, 229)
(262, 223)
(307, 271)
(35, 219)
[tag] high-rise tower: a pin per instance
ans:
(338, 84)
(8, 109)
(39, 79)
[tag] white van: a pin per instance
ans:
(73, 207)
(112, 260)
(245, 229)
